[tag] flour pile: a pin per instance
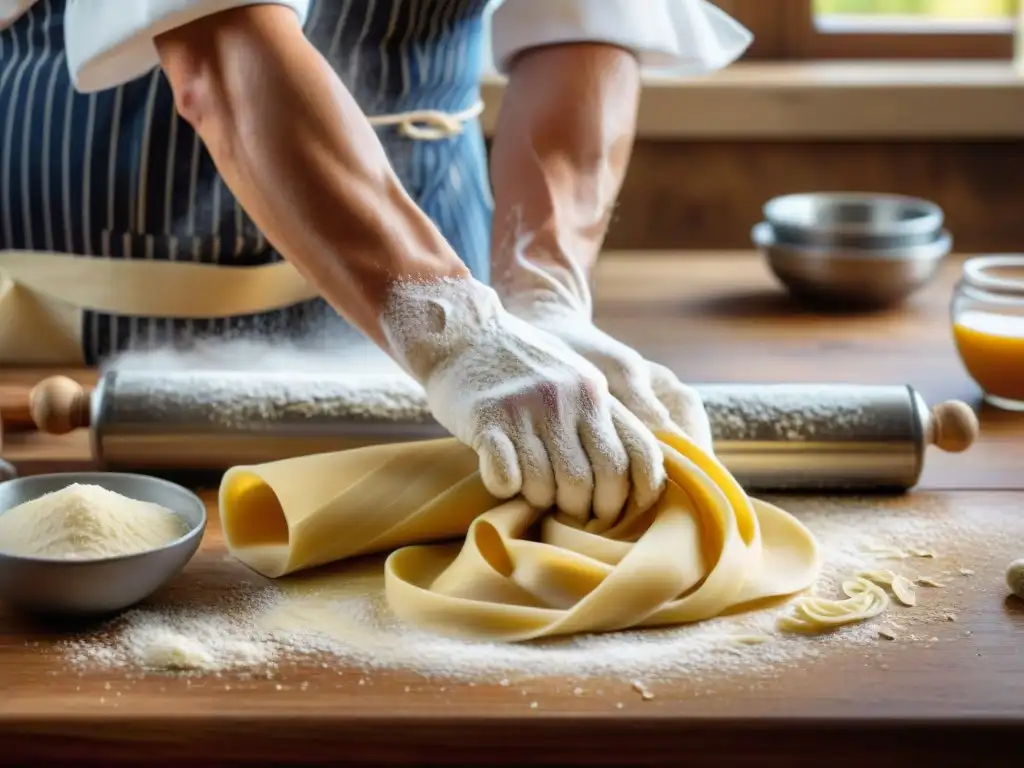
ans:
(86, 522)
(183, 640)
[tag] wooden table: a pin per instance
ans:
(714, 318)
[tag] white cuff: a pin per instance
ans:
(691, 37)
(110, 42)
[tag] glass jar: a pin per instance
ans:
(988, 326)
(1018, 39)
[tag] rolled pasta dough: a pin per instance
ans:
(519, 573)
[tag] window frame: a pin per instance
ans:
(784, 30)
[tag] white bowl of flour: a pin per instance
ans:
(93, 543)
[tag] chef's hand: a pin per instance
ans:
(649, 390)
(540, 416)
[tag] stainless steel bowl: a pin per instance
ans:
(80, 588)
(844, 277)
(855, 219)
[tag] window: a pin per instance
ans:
(881, 29)
(914, 16)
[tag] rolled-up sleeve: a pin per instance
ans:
(110, 42)
(687, 36)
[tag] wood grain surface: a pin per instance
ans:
(942, 693)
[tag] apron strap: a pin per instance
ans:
(161, 289)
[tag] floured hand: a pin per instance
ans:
(649, 390)
(551, 293)
(540, 416)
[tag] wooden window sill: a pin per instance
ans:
(828, 100)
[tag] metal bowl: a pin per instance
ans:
(83, 588)
(843, 277)
(856, 219)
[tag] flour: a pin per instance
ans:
(364, 386)
(213, 639)
(337, 618)
(239, 400)
(247, 384)
(82, 522)
(357, 629)
(241, 384)
(792, 413)
(348, 620)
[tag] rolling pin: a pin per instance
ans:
(770, 436)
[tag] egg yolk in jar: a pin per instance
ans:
(992, 349)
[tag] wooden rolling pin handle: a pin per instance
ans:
(954, 426)
(14, 411)
(59, 405)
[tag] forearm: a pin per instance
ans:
(297, 152)
(563, 142)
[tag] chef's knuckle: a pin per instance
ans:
(551, 393)
(492, 411)
(626, 371)
(689, 397)
(577, 475)
(589, 390)
(615, 460)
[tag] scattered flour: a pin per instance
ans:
(239, 400)
(791, 412)
(357, 382)
(337, 617)
(246, 384)
(178, 638)
(82, 522)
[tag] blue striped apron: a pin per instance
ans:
(118, 175)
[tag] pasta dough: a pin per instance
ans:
(519, 573)
(864, 600)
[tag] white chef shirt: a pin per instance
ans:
(689, 37)
(110, 42)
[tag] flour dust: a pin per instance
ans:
(337, 617)
(244, 384)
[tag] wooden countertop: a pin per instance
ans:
(712, 317)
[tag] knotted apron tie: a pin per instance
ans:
(429, 124)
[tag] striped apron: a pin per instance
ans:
(118, 175)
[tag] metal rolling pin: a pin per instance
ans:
(770, 436)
